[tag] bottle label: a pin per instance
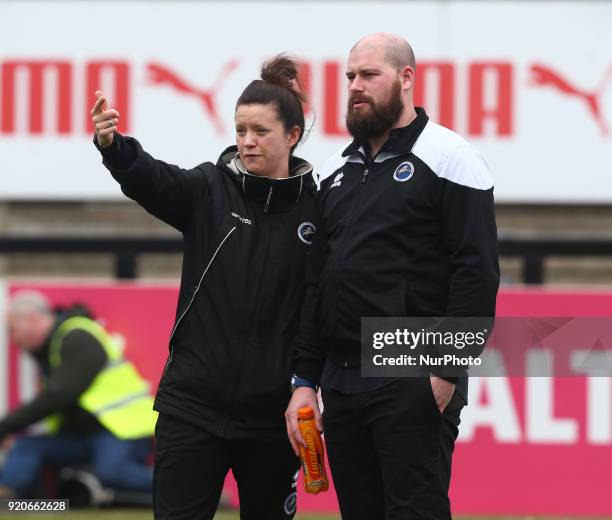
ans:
(315, 478)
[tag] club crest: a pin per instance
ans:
(306, 231)
(403, 172)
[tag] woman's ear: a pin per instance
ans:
(293, 136)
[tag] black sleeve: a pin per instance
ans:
(309, 351)
(470, 236)
(82, 358)
(164, 190)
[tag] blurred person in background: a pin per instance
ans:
(247, 223)
(409, 230)
(96, 407)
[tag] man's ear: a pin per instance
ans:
(407, 77)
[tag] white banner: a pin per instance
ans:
(528, 83)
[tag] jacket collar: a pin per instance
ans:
(400, 141)
(274, 194)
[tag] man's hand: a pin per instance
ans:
(443, 391)
(302, 396)
(105, 120)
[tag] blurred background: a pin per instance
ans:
(529, 83)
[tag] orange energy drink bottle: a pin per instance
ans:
(315, 477)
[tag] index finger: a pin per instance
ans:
(296, 433)
(98, 106)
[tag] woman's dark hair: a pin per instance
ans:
(282, 85)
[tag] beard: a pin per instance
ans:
(379, 119)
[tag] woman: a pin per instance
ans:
(247, 224)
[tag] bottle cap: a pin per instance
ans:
(305, 413)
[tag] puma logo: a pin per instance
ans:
(161, 75)
(543, 76)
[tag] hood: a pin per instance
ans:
(41, 355)
(274, 194)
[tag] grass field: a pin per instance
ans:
(133, 514)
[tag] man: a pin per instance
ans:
(409, 231)
(95, 404)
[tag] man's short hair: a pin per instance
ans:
(398, 51)
(29, 301)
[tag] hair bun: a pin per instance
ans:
(282, 70)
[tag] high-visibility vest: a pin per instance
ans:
(118, 397)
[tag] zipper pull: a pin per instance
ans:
(365, 175)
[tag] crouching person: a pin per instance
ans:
(97, 408)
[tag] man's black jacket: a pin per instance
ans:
(246, 242)
(410, 232)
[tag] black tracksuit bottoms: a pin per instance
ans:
(390, 451)
(191, 465)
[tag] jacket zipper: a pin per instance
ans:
(364, 179)
(267, 206)
(251, 322)
(195, 292)
(354, 211)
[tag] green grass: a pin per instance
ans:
(135, 514)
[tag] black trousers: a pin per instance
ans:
(191, 465)
(390, 451)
